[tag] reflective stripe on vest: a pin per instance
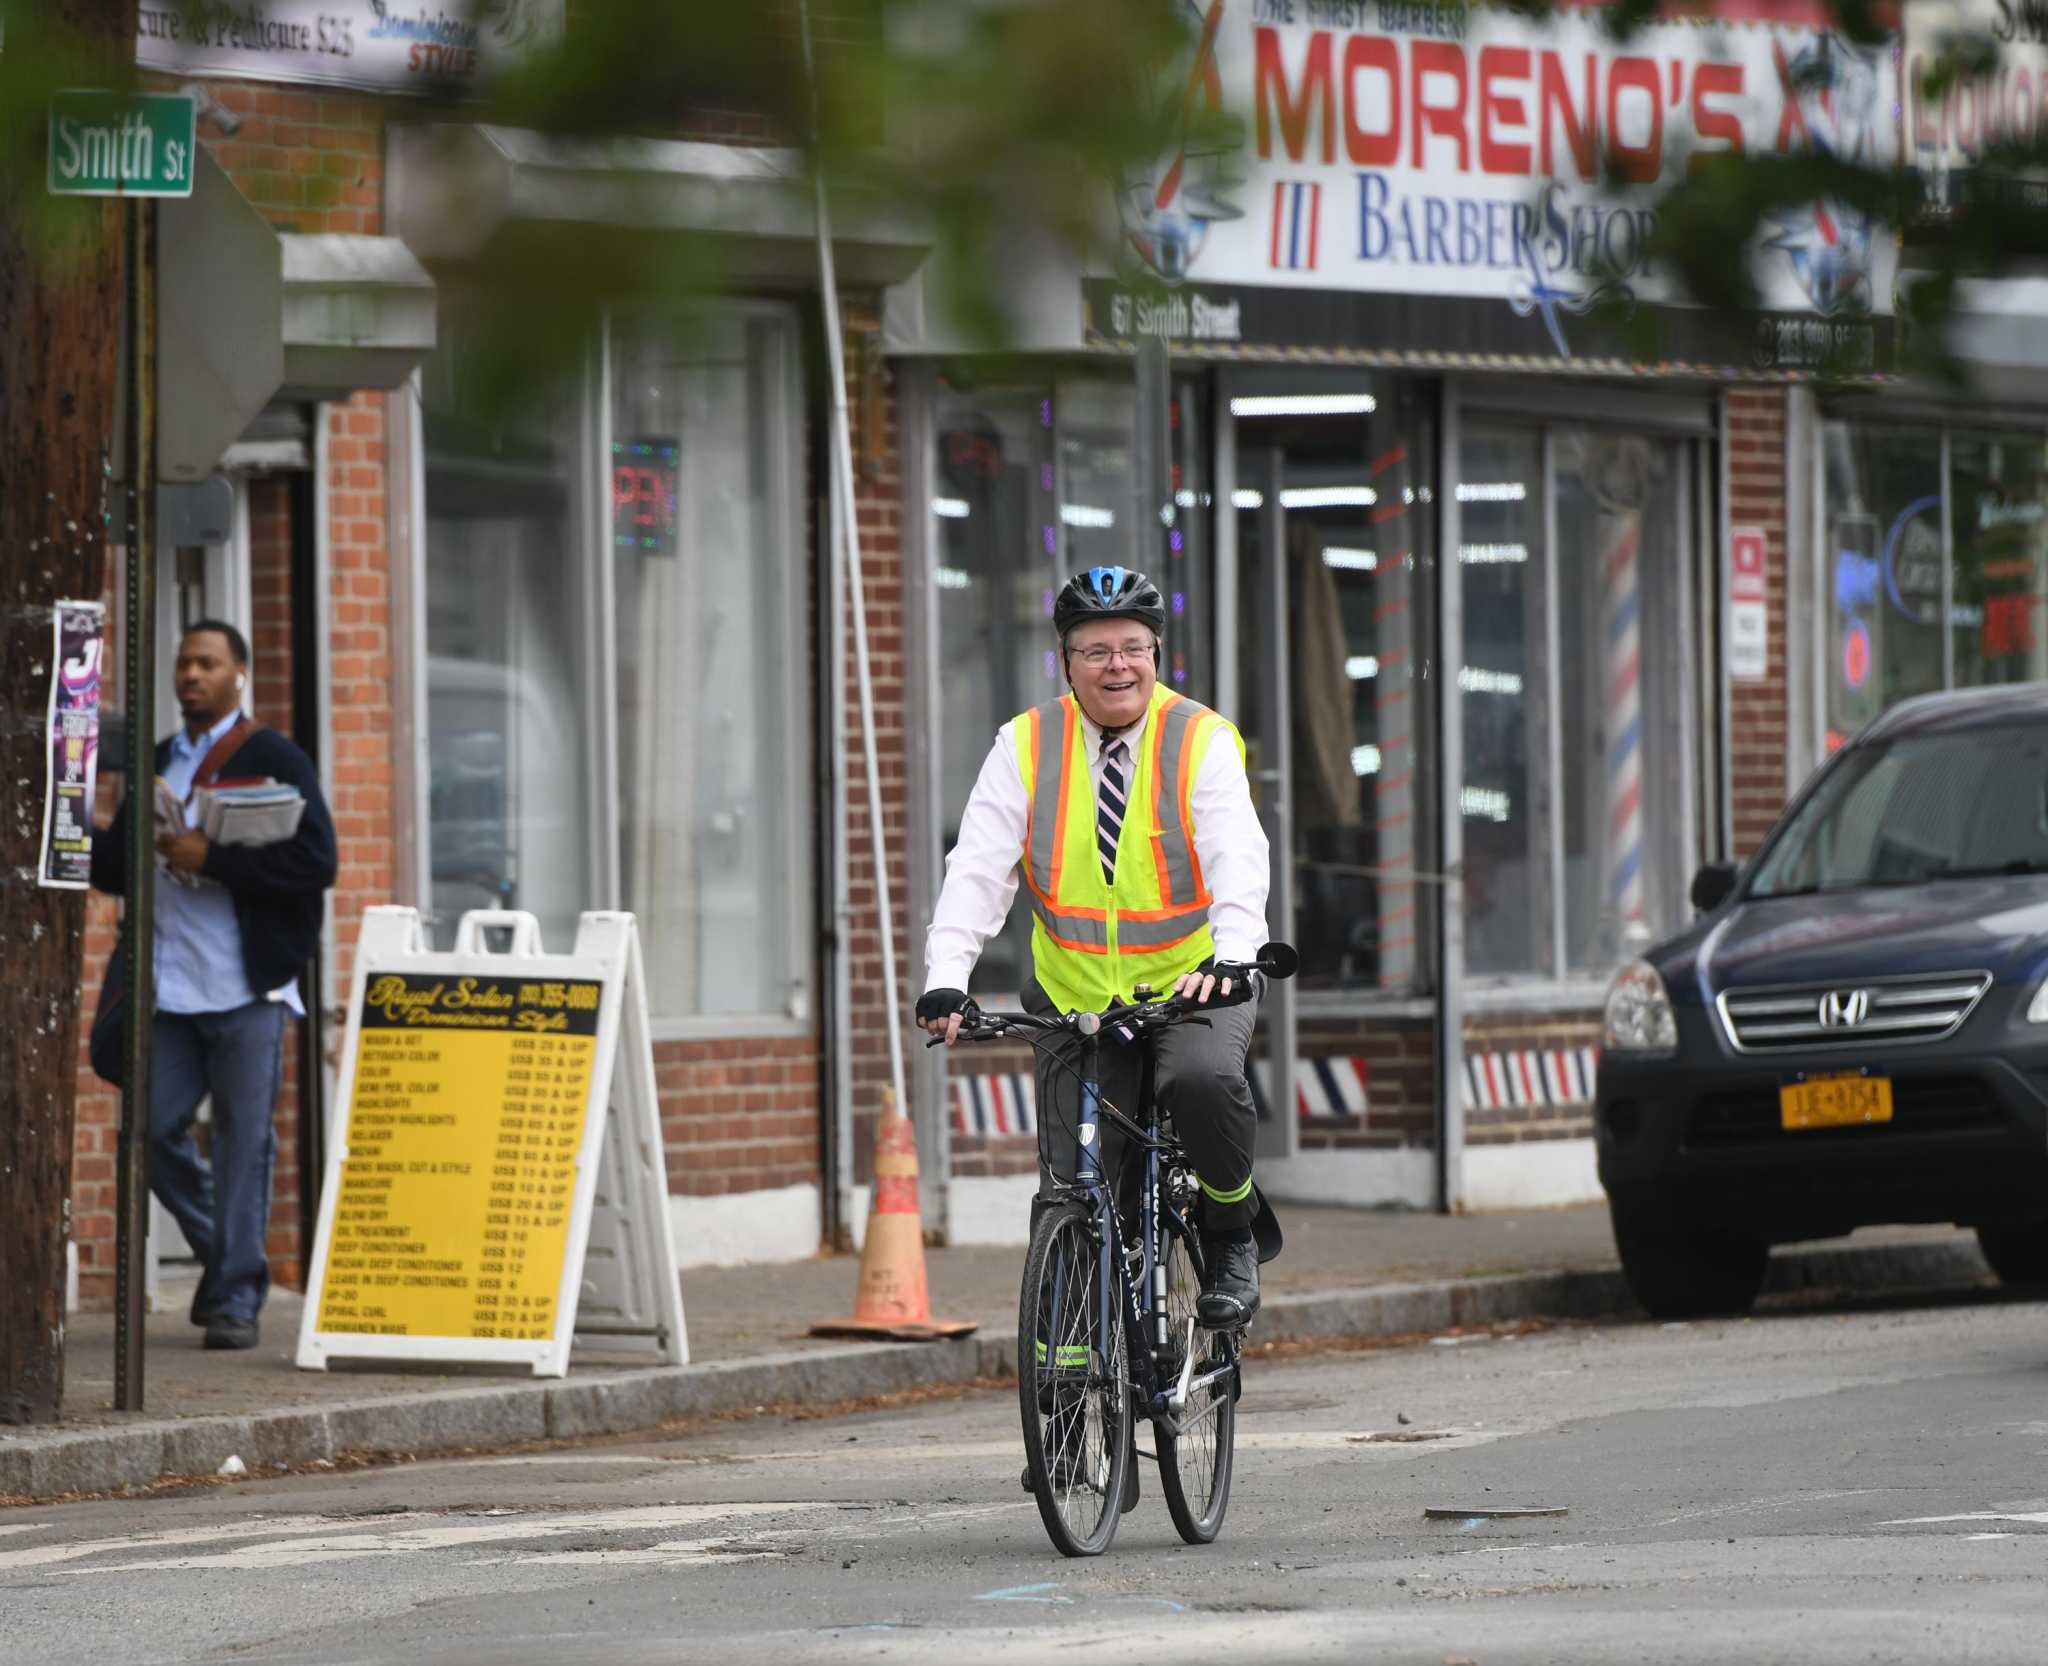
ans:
(1096, 938)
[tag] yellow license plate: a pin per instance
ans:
(1835, 1101)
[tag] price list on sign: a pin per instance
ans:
(452, 1210)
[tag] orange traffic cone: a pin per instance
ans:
(893, 1299)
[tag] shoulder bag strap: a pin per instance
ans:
(218, 754)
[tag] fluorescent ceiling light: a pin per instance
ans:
(1485, 804)
(1476, 679)
(952, 508)
(1492, 555)
(1086, 514)
(1361, 666)
(1357, 561)
(1328, 497)
(1365, 760)
(952, 578)
(1305, 404)
(1491, 491)
(1245, 498)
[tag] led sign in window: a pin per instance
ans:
(644, 496)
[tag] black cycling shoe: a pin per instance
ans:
(1230, 1292)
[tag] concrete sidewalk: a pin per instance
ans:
(1345, 1273)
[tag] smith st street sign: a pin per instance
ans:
(106, 144)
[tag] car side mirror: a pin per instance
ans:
(1712, 886)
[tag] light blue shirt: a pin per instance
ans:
(199, 965)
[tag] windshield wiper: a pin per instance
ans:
(2021, 865)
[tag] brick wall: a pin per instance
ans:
(1757, 713)
(878, 514)
(739, 1115)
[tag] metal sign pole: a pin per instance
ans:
(132, 1228)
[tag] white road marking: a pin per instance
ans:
(259, 1527)
(2039, 1517)
(310, 1540)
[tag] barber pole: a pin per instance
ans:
(1621, 547)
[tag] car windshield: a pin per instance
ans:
(1917, 809)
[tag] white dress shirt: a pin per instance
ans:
(981, 870)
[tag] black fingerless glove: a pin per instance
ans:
(1242, 984)
(942, 1003)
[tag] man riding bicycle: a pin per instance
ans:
(1126, 809)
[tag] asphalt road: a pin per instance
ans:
(1856, 1483)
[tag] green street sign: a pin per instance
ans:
(105, 144)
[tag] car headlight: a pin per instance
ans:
(1639, 1015)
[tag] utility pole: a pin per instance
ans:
(60, 311)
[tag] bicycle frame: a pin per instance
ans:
(1146, 1334)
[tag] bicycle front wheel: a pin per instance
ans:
(1195, 1458)
(1071, 1384)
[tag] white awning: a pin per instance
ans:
(453, 190)
(358, 313)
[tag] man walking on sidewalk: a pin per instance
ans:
(234, 925)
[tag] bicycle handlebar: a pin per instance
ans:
(1276, 960)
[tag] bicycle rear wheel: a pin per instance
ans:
(1195, 1462)
(1071, 1384)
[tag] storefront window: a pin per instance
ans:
(692, 658)
(508, 788)
(705, 559)
(994, 540)
(1574, 557)
(1622, 555)
(1500, 562)
(1349, 454)
(1998, 519)
(1883, 578)
(1029, 482)
(1892, 496)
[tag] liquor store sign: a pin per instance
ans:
(106, 144)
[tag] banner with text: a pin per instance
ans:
(1475, 153)
(379, 45)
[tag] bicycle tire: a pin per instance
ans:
(1071, 1385)
(1195, 1464)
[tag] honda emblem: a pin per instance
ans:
(1844, 1009)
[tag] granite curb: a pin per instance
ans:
(40, 1466)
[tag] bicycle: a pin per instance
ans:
(1107, 1330)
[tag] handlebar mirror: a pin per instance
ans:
(1278, 960)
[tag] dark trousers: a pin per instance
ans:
(237, 1057)
(1198, 1078)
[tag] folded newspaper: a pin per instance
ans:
(249, 812)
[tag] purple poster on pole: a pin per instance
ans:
(74, 746)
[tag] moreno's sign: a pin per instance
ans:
(379, 45)
(1469, 151)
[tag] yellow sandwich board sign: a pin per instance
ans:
(497, 1165)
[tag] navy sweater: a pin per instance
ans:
(276, 888)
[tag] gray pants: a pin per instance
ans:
(1198, 1077)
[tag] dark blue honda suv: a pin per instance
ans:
(1855, 1030)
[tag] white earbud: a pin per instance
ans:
(241, 682)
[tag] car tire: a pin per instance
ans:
(2018, 1254)
(1682, 1271)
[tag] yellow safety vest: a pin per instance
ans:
(1093, 942)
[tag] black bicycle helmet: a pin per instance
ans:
(1108, 593)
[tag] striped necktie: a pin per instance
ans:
(1109, 804)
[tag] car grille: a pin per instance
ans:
(1876, 1010)
(1920, 1105)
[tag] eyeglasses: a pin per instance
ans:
(1133, 653)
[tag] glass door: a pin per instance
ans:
(1330, 513)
